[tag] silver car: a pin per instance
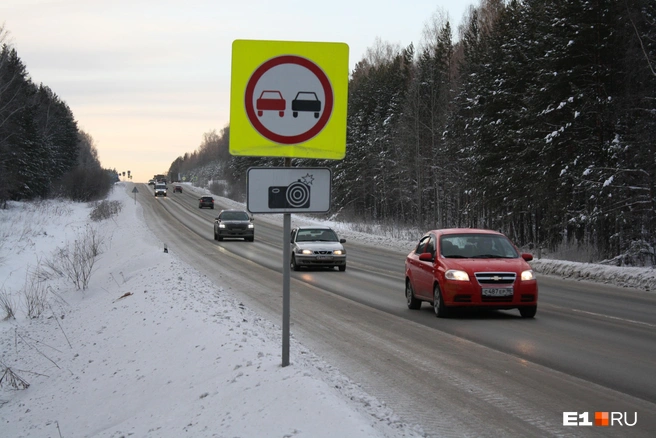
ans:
(160, 189)
(317, 246)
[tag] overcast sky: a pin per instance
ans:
(147, 78)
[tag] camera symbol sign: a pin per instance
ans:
(288, 99)
(288, 190)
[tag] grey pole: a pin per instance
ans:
(286, 257)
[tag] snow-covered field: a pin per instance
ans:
(153, 348)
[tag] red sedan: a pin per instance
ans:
(467, 267)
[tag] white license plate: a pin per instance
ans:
(497, 291)
(324, 257)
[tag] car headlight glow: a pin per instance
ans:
(251, 226)
(306, 252)
(338, 252)
(528, 275)
(221, 225)
(453, 274)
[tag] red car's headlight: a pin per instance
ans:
(456, 275)
(528, 275)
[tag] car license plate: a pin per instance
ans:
(497, 291)
(324, 258)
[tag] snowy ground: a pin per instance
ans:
(153, 348)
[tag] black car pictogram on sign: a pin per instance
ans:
(306, 101)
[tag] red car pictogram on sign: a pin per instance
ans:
(270, 100)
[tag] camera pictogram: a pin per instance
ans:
(294, 195)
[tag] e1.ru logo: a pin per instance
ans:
(600, 419)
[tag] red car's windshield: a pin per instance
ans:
(476, 246)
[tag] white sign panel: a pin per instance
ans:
(288, 189)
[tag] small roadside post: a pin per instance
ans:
(135, 191)
(288, 99)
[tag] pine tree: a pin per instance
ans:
(19, 142)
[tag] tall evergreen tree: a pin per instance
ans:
(59, 133)
(19, 142)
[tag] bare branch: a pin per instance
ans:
(642, 46)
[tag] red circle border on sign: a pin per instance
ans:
(250, 90)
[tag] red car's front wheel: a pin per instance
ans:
(438, 303)
(413, 303)
(528, 311)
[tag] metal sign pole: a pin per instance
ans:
(286, 257)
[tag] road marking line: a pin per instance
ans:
(614, 317)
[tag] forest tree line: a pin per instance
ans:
(539, 121)
(43, 154)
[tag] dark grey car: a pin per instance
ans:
(206, 201)
(234, 223)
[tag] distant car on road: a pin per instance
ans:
(467, 267)
(177, 189)
(160, 189)
(317, 247)
(206, 201)
(151, 182)
(234, 223)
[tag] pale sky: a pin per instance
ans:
(147, 78)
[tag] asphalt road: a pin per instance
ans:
(591, 348)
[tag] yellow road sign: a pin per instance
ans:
(288, 99)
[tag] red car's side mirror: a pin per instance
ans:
(526, 256)
(426, 257)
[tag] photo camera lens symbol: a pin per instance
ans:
(295, 195)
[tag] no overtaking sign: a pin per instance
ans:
(289, 99)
